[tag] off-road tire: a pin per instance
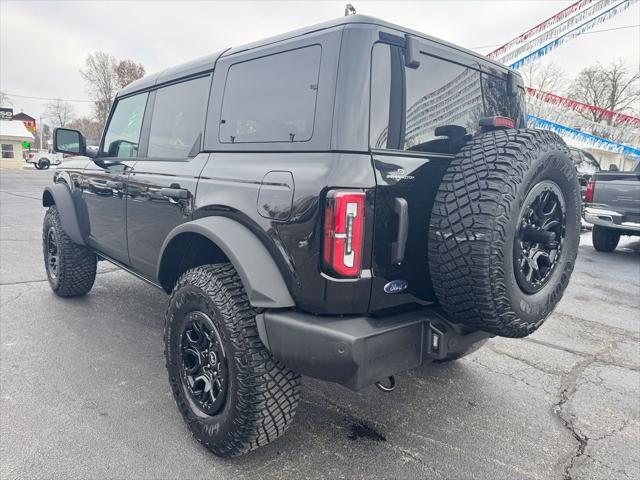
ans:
(262, 394)
(77, 264)
(44, 163)
(474, 222)
(604, 239)
(458, 355)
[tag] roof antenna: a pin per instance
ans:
(349, 10)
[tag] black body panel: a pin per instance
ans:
(160, 197)
(104, 197)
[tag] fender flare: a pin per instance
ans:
(256, 267)
(60, 196)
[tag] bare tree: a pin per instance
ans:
(99, 74)
(59, 112)
(611, 88)
(128, 71)
(548, 78)
(91, 129)
(5, 101)
(104, 75)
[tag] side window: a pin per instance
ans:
(178, 117)
(7, 150)
(272, 98)
(433, 108)
(123, 134)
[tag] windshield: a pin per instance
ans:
(584, 162)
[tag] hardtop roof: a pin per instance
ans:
(206, 63)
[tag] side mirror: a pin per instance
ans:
(69, 141)
(411, 52)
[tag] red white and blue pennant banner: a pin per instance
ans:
(615, 117)
(556, 31)
(572, 33)
(541, 27)
(583, 138)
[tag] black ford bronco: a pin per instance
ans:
(346, 202)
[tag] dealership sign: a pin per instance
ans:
(6, 113)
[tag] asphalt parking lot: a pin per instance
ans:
(84, 394)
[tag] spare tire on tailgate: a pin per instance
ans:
(504, 231)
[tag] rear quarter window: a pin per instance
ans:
(272, 98)
(434, 108)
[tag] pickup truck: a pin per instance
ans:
(43, 159)
(612, 204)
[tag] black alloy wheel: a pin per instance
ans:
(204, 364)
(52, 253)
(540, 236)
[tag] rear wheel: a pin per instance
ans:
(604, 239)
(231, 393)
(44, 163)
(504, 231)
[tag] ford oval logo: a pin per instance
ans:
(396, 286)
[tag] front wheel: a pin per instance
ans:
(231, 393)
(71, 268)
(605, 239)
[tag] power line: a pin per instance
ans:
(46, 98)
(584, 33)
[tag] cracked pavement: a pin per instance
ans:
(83, 389)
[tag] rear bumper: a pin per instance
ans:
(605, 217)
(357, 351)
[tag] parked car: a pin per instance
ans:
(42, 159)
(612, 205)
(586, 165)
(347, 202)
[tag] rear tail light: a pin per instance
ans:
(591, 186)
(343, 233)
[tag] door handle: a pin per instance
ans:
(114, 185)
(401, 207)
(176, 193)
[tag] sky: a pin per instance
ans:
(44, 44)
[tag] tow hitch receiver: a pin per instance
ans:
(445, 338)
(361, 350)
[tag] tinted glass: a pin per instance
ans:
(123, 133)
(380, 91)
(584, 162)
(178, 116)
(442, 103)
(271, 99)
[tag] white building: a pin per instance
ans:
(12, 134)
